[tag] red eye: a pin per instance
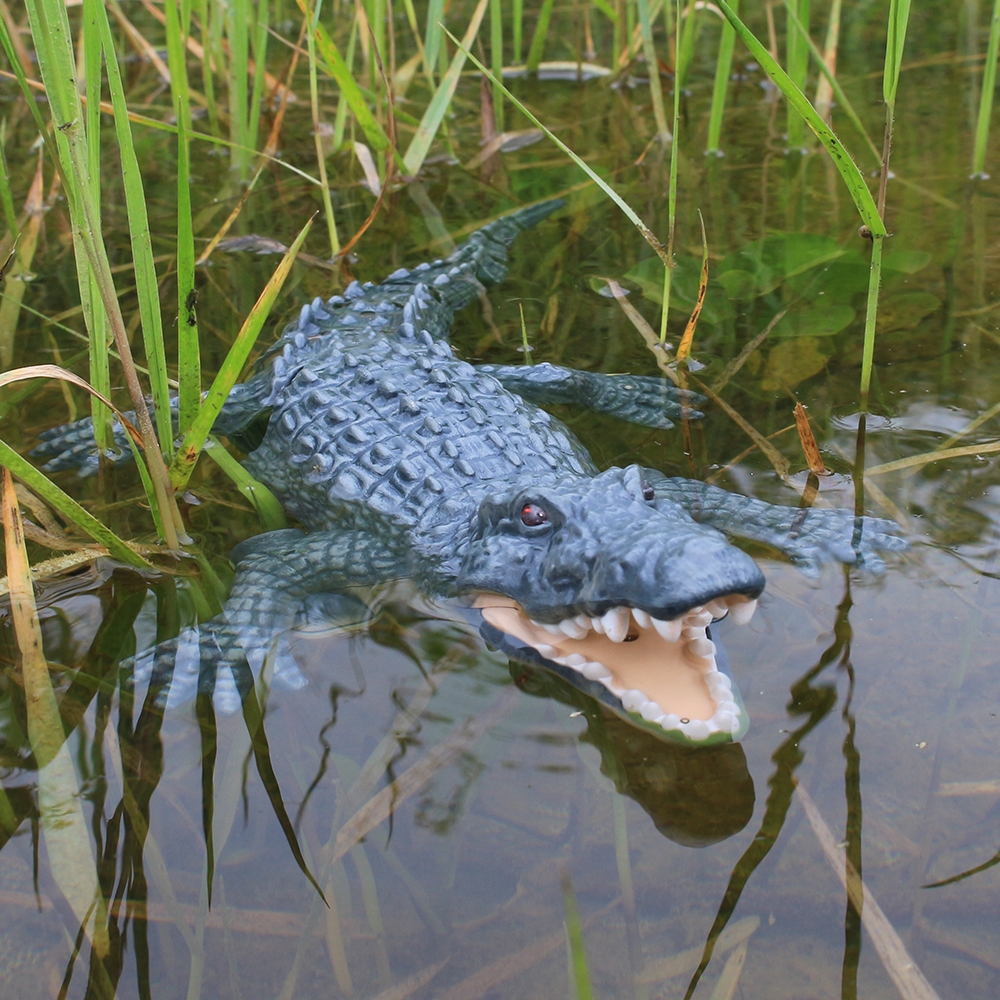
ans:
(533, 515)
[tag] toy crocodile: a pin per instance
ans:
(402, 461)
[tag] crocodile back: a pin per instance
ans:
(397, 428)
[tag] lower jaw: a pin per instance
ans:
(693, 700)
(686, 732)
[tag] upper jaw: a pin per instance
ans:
(662, 674)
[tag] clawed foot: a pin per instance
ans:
(838, 536)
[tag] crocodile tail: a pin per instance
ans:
(526, 218)
(483, 256)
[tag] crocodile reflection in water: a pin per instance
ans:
(695, 796)
(401, 460)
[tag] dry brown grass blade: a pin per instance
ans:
(725, 988)
(140, 43)
(67, 840)
(233, 216)
(390, 153)
(687, 961)
(813, 458)
(949, 788)
(23, 55)
(684, 347)
(10, 307)
(647, 333)
(382, 804)
(741, 359)
(780, 463)
(481, 983)
(10, 257)
(899, 964)
(971, 426)
(257, 923)
(271, 146)
(412, 983)
(932, 456)
(54, 371)
(736, 459)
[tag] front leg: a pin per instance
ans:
(639, 399)
(808, 536)
(72, 446)
(276, 575)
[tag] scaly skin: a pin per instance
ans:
(400, 459)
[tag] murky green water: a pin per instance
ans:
(878, 696)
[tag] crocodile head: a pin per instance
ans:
(615, 590)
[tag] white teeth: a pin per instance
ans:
(575, 660)
(718, 608)
(697, 730)
(615, 624)
(701, 647)
(597, 624)
(693, 632)
(726, 722)
(742, 612)
(651, 711)
(641, 618)
(697, 617)
(671, 631)
(595, 671)
(633, 700)
(551, 629)
(546, 650)
(719, 685)
(572, 628)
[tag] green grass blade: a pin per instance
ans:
(538, 38)
(723, 70)
(339, 70)
(433, 36)
(188, 351)
(798, 66)
(258, 41)
(688, 39)
(54, 48)
(577, 949)
(267, 505)
(61, 501)
(420, 144)
(655, 86)
(847, 168)
(842, 99)
(229, 372)
(496, 57)
(237, 31)
(6, 195)
(331, 224)
(517, 29)
(868, 351)
(96, 321)
(899, 16)
(340, 118)
(986, 97)
(146, 287)
(647, 233)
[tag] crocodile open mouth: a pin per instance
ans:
(666, 672)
